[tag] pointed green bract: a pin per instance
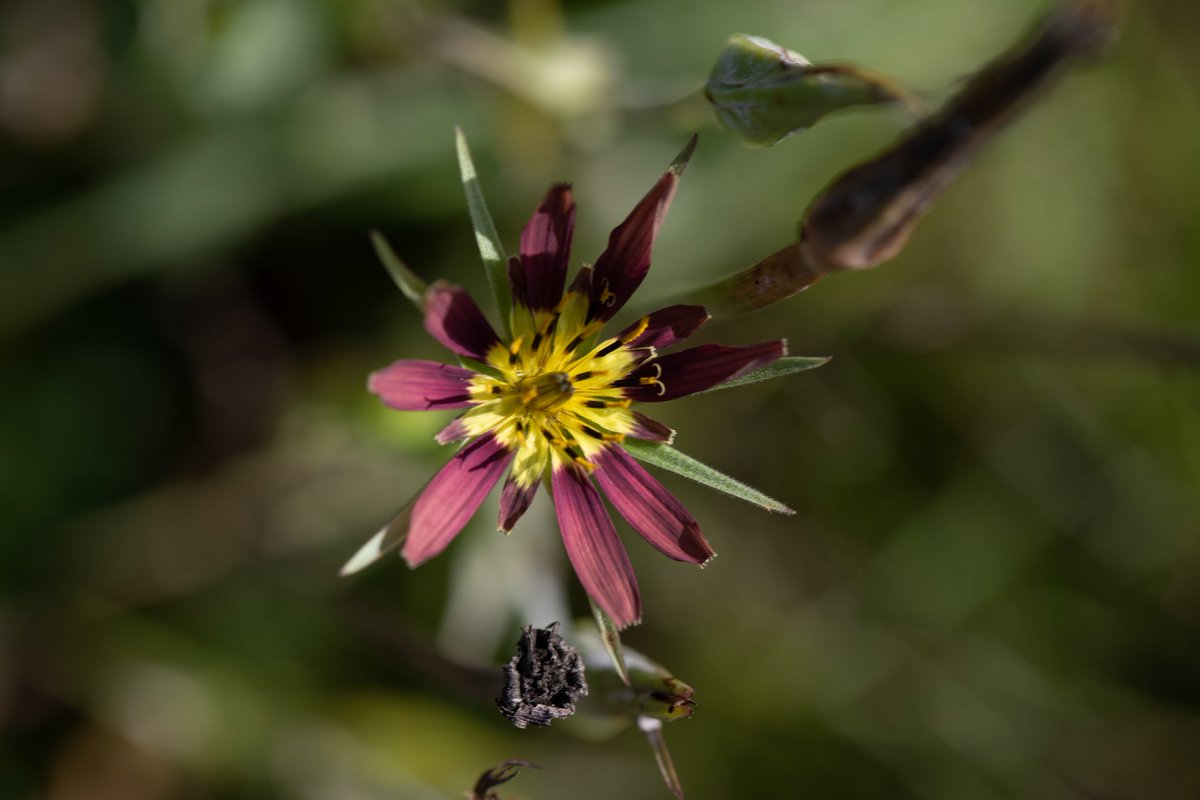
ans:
(486, 237)
(408, 281)
(389, 540)
(652, 728)
(611, 637)
(667, 457)
(789, 365)
(762, 92)
(685, 155)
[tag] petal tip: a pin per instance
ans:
(707, 561)
(685, 155)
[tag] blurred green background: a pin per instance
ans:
(992, 586)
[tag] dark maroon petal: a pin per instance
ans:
(514, 500)
(624, 263)
(596, 553)
(696, 369)
(650, 429)
(581, 284)
(413, 385)
(667, 326)
(537, 277)
(452, 497)
(649, 508)
(452, 318)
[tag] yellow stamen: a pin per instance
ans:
(549, 401)
(636, 331)
(606, 296)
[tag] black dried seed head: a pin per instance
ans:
(543, 680)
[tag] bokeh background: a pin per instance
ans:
(992, 586)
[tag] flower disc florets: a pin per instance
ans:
(556, 396)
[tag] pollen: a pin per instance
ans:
(554, 393)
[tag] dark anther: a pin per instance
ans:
(537, 340)
(608, 348)
(592, 432)
(583, 376)
(596, 404)
(544, 680)
(574, 343)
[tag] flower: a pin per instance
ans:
(553, 402)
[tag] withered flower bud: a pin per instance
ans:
(497, 775)
(543, 680)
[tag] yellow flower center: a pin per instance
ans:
(549, 395)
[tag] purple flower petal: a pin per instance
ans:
(649, 508)
(452, 318)
(623, 265)
(591, 542)
(696, 369)
(456, 431)
(514, 501)
(650, 429)
(413, 385)
(452, 497)
(537, 277)
(667, 326)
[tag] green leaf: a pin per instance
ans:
(486, 237)
(777, 369)
(408, 281)
(611, 637)
(667, 457)
(762, 92)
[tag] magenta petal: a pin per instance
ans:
(696, 369)
(452, 318)
(596, 553)
(623, 265)
(455, 431)
(452, 497)
(650, 509)
(650, 429)
(514, 501)
(413, 385)
(537, 277)
(667, 326)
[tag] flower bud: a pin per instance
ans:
(763, 92)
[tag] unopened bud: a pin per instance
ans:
(763, 92)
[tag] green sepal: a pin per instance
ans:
(668, 458)
(610, 636)
(789, 365)
(685, 155)
(762, 92)
(486, 237)
(646, 689)
(652, 728)
(408, 281)
(481, 367)
(389, 539)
